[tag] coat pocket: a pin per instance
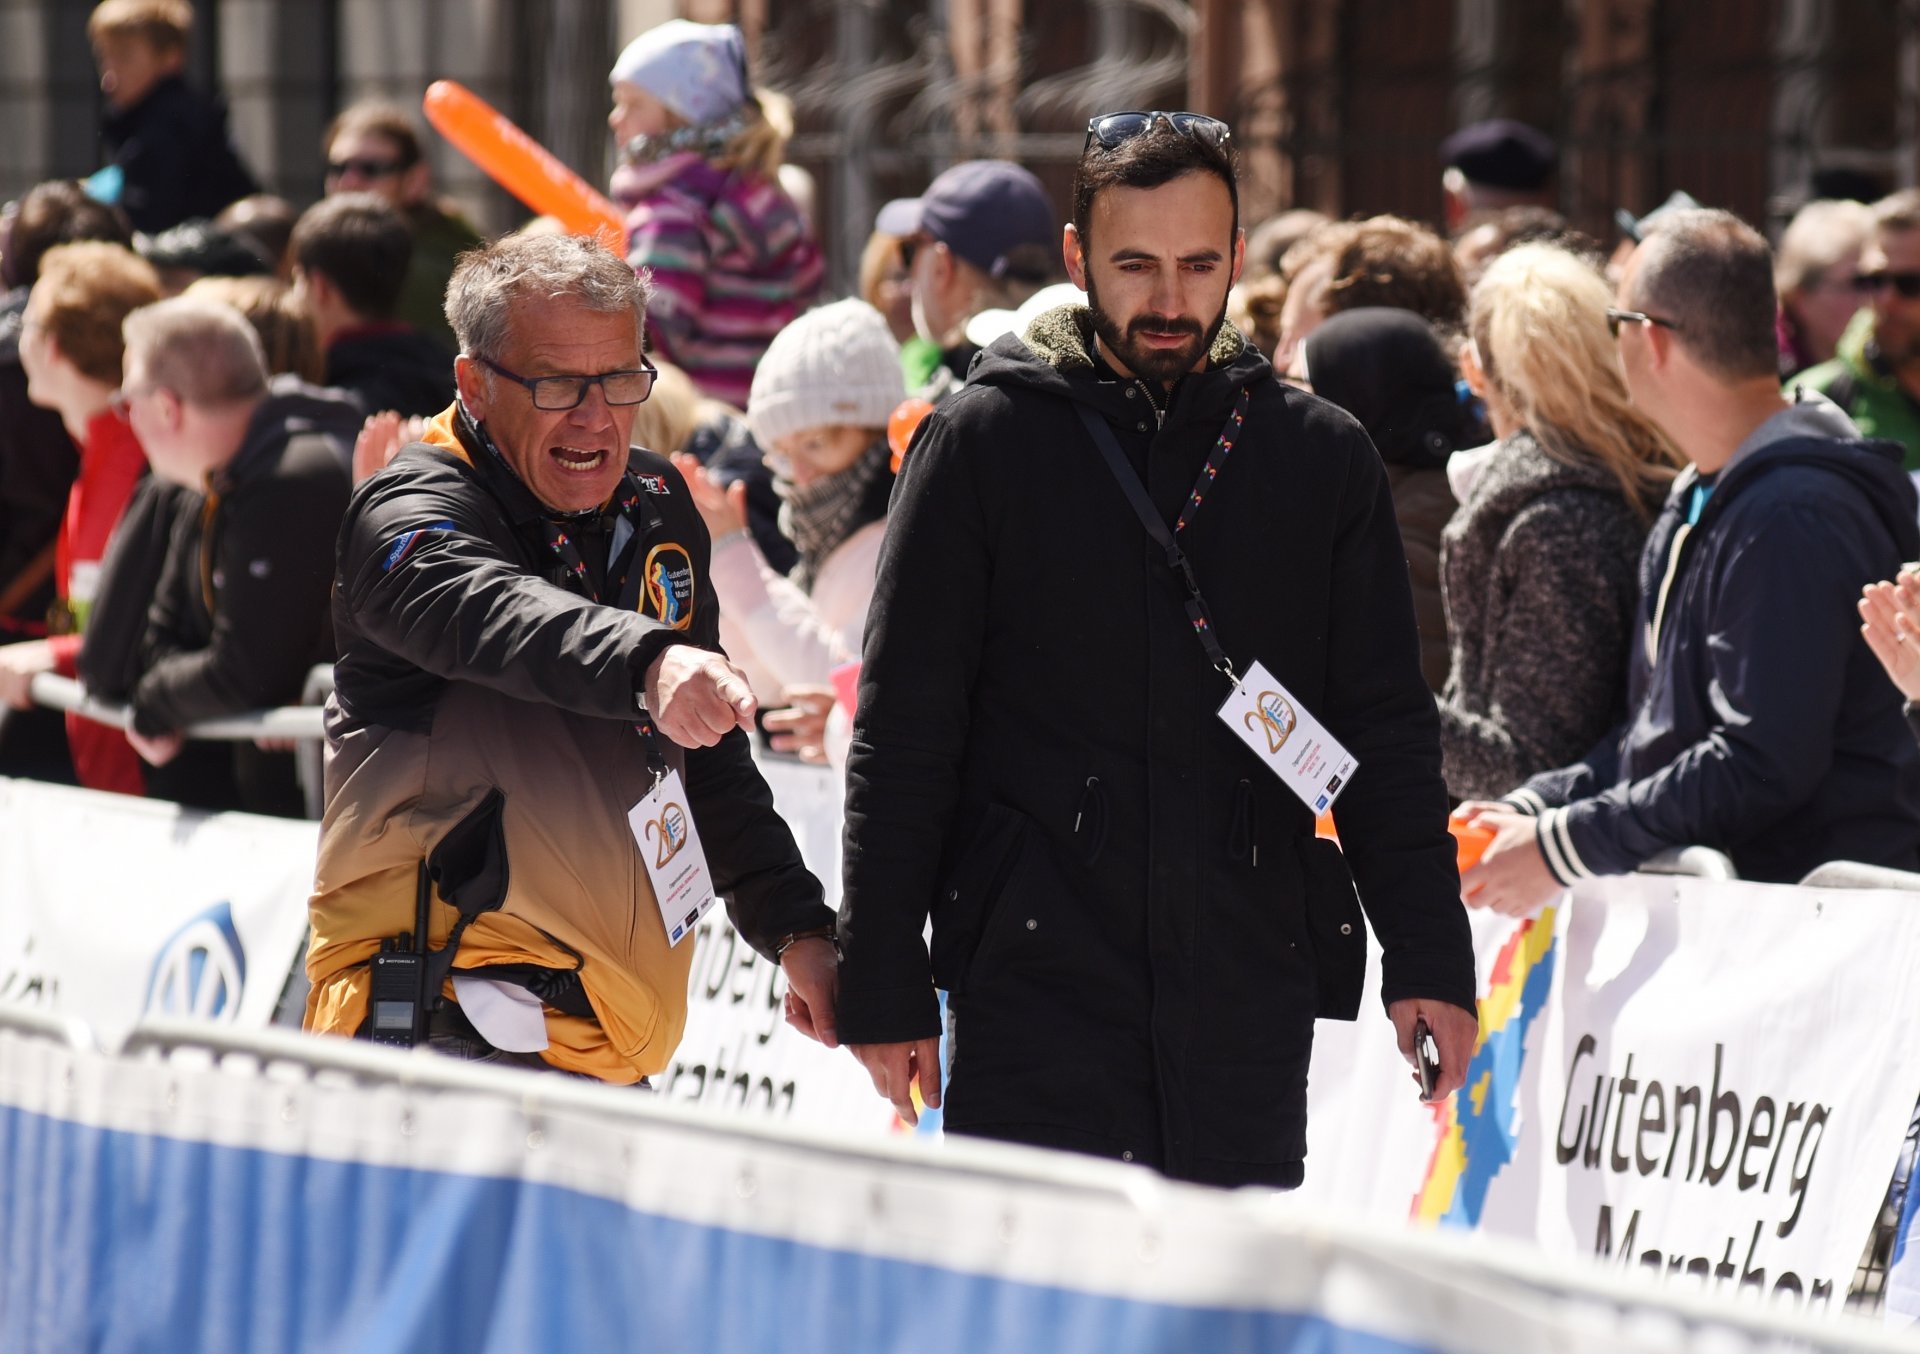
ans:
(970, 893)
(1336, 928)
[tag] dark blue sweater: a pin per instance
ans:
(1758, 721)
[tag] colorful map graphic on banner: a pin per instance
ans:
(1478, 1128)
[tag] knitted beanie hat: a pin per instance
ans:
(699, 71)
(836, 365)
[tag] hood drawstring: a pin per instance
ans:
(1093, 803)
(1242, 838)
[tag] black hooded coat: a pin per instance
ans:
(1123, 896)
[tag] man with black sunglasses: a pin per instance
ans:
(1875, 375)
(1142, 611)
(1759, 724)
(533, 732)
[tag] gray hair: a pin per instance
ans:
(203, 351)
(1821, 234)
(488, 281)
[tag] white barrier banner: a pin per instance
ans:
(1711, 1079)
(738, 1049)
(112, 908)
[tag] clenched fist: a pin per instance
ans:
(697, 697)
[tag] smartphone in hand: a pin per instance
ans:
(1426, 1056)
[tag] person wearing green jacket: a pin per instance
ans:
(1875, 375)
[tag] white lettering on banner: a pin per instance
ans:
(112, 907)
(1708, 1079)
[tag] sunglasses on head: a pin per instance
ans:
(1114, 129)
(1869, 284)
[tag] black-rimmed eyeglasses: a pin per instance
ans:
(557, 393)
(1616, 318)
(1113, 129)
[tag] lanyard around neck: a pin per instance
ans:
(1136, 493)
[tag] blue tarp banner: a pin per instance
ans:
(394, 1202)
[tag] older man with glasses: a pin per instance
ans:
(1875, 374)
(533, 731)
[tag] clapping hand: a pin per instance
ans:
(1890, 621)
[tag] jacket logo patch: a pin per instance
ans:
(654, 484)
(404, 546)
(668, 833)
(1275, 718)
(668, 578)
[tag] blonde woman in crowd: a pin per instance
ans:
(1540, 566)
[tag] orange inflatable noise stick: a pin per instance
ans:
(521, 165)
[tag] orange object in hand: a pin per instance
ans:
(1473, 842)
(1470, 839)
(522, 165)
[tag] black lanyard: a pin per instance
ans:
(1150, 518)
(638, 511)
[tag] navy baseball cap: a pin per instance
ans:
(992, 213)
(1502, 153)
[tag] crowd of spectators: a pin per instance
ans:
(172, 471)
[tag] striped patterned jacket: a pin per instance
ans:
(731, 259)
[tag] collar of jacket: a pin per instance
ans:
(167, 94)
(1521, 470)
(1872, 465)
(1861, 355)
(1058, 349)
(290, 409)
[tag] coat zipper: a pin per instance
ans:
(1159, 414)
(1243, 838)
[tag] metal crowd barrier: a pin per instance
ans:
(292, 722)
(299, 724)
(1466, 1284)
(1699, 862)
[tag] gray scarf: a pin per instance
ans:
(817, 517)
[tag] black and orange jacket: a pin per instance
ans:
(469, 662)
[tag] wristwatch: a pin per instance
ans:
(792, 938)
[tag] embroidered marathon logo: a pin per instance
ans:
(404, 546)
(668, 575)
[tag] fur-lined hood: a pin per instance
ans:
(1056, 355)
(1063, 337)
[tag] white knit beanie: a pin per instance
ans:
(837, 365)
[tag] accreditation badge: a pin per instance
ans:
(670, 848)
(1295, 746)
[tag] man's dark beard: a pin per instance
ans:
(1166, 365)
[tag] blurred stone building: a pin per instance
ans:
(1337, 104)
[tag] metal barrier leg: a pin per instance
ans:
(291, 1010)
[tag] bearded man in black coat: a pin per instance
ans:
(1132, 918)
